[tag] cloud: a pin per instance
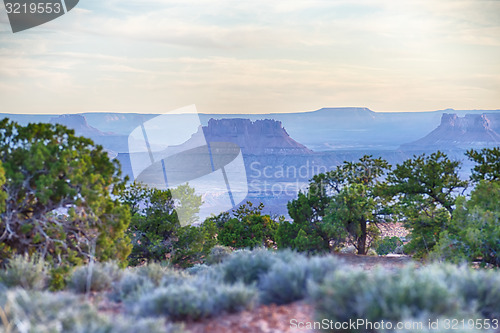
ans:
(258, 56)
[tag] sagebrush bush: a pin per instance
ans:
(284, 283)
(94, 277)
(198, 269)
(44, 312)
(130, 284)
(174, 276)
(381, 295)
(247, 266)
(26, 272)
(480, 289)
(196, 298)
(287, 281)
(154, 271)
(217, 254)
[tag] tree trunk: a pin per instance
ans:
(362, 238)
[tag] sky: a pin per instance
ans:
(254, 56)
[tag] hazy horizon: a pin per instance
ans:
(255, 113)
(155, 56)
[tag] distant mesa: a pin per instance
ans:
(78, 123)
(254, 138)
(470, 131)
(113, 143)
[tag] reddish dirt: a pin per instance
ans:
(266, 319)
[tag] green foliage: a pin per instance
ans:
(350, 211)
(193, 244)
(387, 245)
(25, 272)
(155, 229)
(3, 194)
(94, 277)
(474, 231)
(338, 207)
(305, 233)
(487, 164)
(248, 228)
(59, 277)
(59, 191)
(429, 180)
(425, 188)
(187, 204)
(153, 224)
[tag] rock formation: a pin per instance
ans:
(470, 131)
(254, 138)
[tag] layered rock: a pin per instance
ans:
(461, 132)
(254, 138)
(79, 124)
(112, 143)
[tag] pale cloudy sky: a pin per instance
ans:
(253, 56)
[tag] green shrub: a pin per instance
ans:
(156, 232)
(381, 295)
(387, 245)
(303, 234)
(247, 266)
(26, 272)
(248, 232)
(94, 277)
(474, 231)
(218, 254)
(49, 170)
(194, 299)
(59, 277)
